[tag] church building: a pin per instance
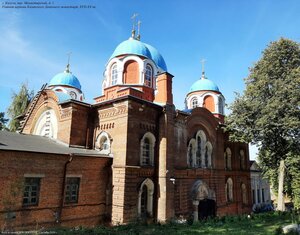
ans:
(129, 155)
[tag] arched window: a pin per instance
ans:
(103, 143)
(73, 95)
(229, 190)
(148, 76)
(244, 194)
(198, 152)
(242, 160)
(227, 159)
(46, 124)
(145, 198)
(191, 161)
(147, 149)
(194, 102)
(208, 153)
(221, 106)
(200, 148)
(114, 74)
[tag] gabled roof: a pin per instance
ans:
(33, 143)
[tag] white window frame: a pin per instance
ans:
(99, 141)
(152, 140)
(150, 190)
(114, 74)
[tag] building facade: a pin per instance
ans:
(129, 155)
(260, 187)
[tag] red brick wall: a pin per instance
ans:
(92, 204)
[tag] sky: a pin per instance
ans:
(230, 35)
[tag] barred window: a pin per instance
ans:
(31, 191)
(72, 190)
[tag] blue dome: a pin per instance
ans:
(204, 85)
(157, 57)
(65, 78)
(135, 47)
(131, 46)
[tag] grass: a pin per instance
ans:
(264, 224)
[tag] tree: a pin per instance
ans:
(3, 121)
(268, 113)
(18, 106)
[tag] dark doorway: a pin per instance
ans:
(206, 208)
(144, 201)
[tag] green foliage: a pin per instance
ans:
(3, 121)
(268, 112)
(18, 105)
(264, 224)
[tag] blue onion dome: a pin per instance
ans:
(133, 46)
(65, 78)
(204, 85)
(157, 57)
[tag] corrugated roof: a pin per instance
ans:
(34, 143)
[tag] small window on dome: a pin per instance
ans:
(148, 76)
(73, 95)
(194, 103)
(114, 74)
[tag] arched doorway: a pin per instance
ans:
(204, 201)
(145, 199)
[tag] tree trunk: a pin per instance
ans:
(280, 201)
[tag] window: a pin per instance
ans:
(191, 158)
(242, 160)
(72, 189)
(114, 75)
(148, 76)
(46, 124)
(229, 190)
(146, 152)
(208, 153)
(198, 152)
(103, 143)
(262, 195)
(73, 95)
(227, 159)
(221, 106)
(147, 149)
(31, 191)
(244, 194)
(194, 102)
(258, 196)
(253, 196)
(190, 155)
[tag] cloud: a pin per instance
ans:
(15, 47)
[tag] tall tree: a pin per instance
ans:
(18, 105)
(3, 121)
(268, 112)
